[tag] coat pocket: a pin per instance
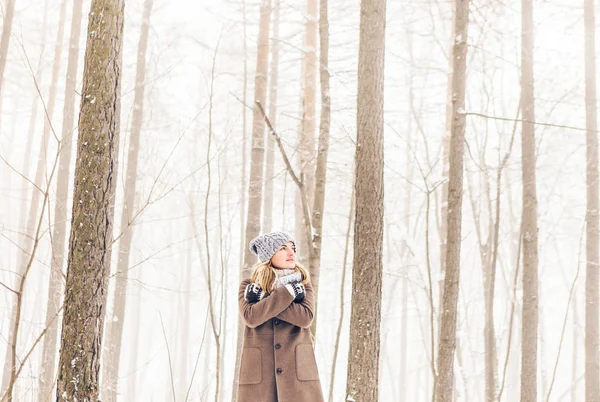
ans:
(306, 365)
(251, 366)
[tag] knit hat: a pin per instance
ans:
(265, 245)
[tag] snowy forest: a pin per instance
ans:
(436, 162)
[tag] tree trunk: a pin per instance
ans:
(256, 161)
(93, 206)
(575, 355)
(258, 138)
(48, 365)
(592, 365)
(318, 208)
(444, 383)
(308, 126)
(186, 319)
(403, 383)
(365, 318)
(338, 332)
(445, 165)
(134, 347)
(4, 41)
(529, 211)
(243, 245)
(112, 351)
(273, 82)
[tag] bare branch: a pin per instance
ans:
(525, 121)
(12, 290)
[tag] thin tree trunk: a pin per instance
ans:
(114, 329)
(4, 41)
(240, 326)
(403, 383)
(592, 364)
(445, 161)
(273, 82)
(575, 354)
(132, 394)
(318, 208)
(529, 211)
(216, 329)
(93, 206)
(365, 318)
(48, 364)
(444, 383)
(308, 125)
(338, 332)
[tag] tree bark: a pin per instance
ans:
(592, 365)
(318, 208)
(365, 318)
(114, 329)
(444, 382)
(48, 365)
(256, 161)
(273, 82)
(93, 206)
(308, 126)
(258, 137)
(529, 211)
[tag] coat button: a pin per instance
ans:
(276, 322)
(277, 346)
(279, 371)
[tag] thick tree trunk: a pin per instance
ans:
(48, 365)
(592, 365)
(112, 351)
(273, 82)
(365, 318)
(444, 383)
(93, 206)
(529, 211)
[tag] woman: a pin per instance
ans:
(278, 361)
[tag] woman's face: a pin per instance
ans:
(285, 257)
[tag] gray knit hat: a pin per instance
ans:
(265, 245)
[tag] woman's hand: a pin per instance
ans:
(298, 291)
(253, 293)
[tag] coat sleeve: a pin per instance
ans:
(300, 314)
(255, 314)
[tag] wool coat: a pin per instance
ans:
(278, 361)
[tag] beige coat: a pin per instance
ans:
(278, 361)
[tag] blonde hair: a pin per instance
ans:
(264, 274)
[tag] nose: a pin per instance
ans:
(290, 253)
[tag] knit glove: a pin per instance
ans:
(297, 290)
(253, 293)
